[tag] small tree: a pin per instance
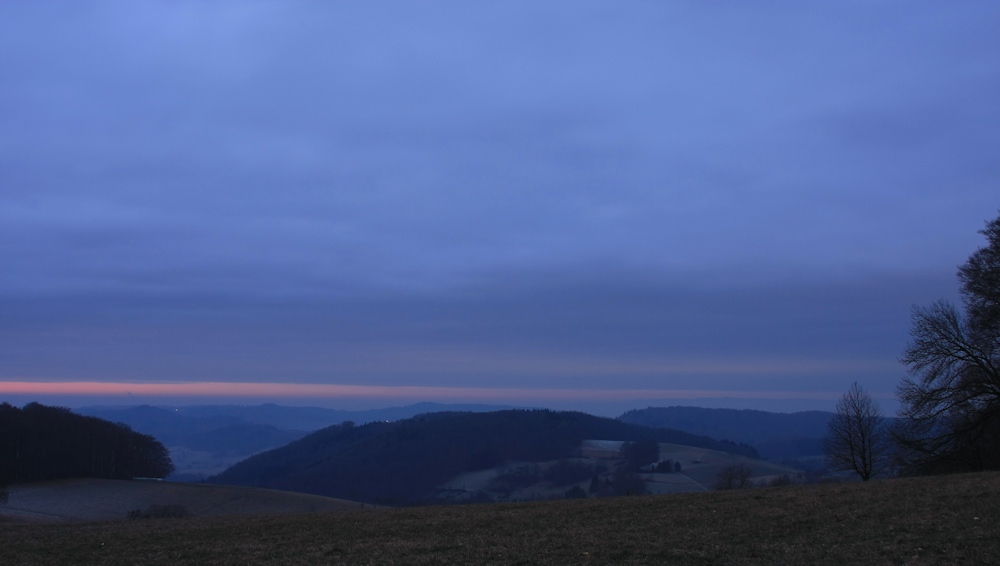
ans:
(625, 482)
(640, 453)
(595, 484)
(780, 481)
(857, 440)
(734, 477)
(665, 467)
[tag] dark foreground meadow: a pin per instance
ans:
(932, 520)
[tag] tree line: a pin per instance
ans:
(949, 416)
(39, 443)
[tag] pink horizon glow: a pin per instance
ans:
(339, 391)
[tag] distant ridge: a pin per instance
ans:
(306, 419)
(775, 435)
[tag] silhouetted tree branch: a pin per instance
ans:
(857, 440)
(950, 406)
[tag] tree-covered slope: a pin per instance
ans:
(44, 443)
(776, 435)
(402, 462)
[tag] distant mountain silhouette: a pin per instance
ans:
(315, 418)
(400, 463)
(776, 436)
(215, 432)
(174, 425)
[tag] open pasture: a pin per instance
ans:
(97, 500)
(914, 521)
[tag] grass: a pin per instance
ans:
(915, 521)
(98, 499)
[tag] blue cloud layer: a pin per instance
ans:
(668, 179)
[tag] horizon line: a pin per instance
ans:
(349, 391)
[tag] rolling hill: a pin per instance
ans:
(405, 462)
(204, 440)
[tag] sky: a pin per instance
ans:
(577, 205)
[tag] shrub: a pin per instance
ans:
(624, 482)
(780, 481)
(734, 477)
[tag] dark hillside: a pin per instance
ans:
(775, 435)
(402, 462)
(46, 443)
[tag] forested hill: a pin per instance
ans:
(775, 435)
(40, 443)
(402, 462)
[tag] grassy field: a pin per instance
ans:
(96, 499)
(935, 520)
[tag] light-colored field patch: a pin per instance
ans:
(601, 449)
(703, 466)
(671, 483)
(94, 500)
(700, 468)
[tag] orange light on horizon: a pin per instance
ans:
(334, 391)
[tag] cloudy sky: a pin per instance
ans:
(592, 205)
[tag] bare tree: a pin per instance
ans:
(734, 477)
(950, 407)
(857, 440)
